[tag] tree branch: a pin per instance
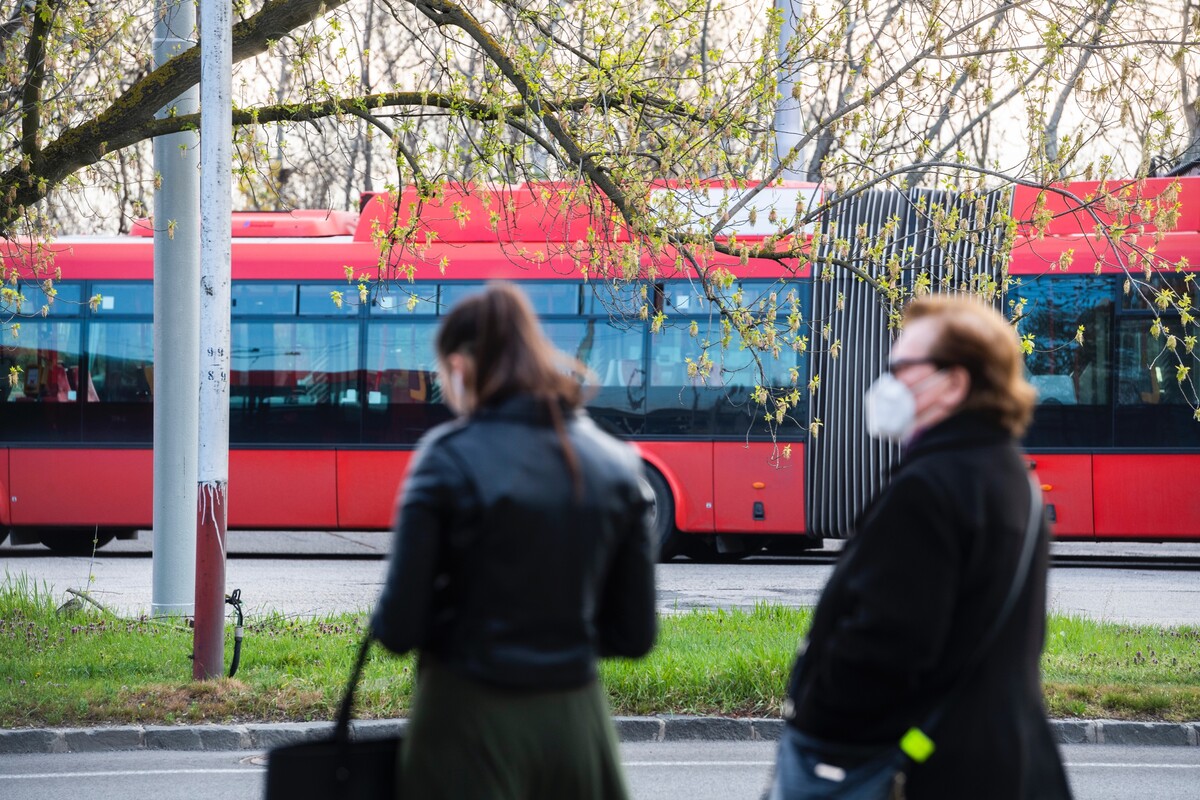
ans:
(444, 12)
(88, 142)
(35, 79)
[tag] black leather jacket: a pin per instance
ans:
(502, 570)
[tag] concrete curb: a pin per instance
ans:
(263, 736)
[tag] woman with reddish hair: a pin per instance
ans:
(920, 674)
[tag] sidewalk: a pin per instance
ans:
(263, 736)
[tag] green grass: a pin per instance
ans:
(78, 667)
(1130, 672)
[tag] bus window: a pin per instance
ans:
(66, 302)
(403, 398)
(1143, 293)
(1153, 408)
(1071, 372)
(618, 301)
(263, 298)
(553, 298)
(40, 398)
(688, 298)
(403, 299)
(294, 382)
(685, 297)
(120, 362)
(318, 300)
(120, 382)
(720, 403)
(546, 298)
(126, 297)
(678, 404)
(615, 359)
(450, 293)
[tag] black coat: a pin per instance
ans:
(506, 573)
(916, 588)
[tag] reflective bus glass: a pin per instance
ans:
(40, 389)
(294, 381)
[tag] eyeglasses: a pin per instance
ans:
(904, 363)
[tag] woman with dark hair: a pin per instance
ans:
(522, 554)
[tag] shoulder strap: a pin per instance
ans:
(1025, 560)
(1033, 527)
(341, 731)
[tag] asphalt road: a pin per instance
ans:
(314, 574)
(665, 771)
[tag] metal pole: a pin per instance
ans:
(176, 332)
(789, 121)
(216, 145)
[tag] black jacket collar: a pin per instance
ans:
(964, 429)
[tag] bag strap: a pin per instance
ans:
(1025, 561)
(341, 731)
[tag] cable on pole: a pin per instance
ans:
(235, 600)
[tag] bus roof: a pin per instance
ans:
(560, 212)
(299, 223)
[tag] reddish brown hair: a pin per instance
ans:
(977, 338)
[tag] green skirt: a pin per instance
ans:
(468, 741)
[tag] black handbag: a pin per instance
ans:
(338, 766)
(809, 768)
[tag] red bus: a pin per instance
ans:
(327, 401)
(1115, 438)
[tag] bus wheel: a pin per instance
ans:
(662, 525)
(74, 541)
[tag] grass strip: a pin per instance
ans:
(79, 666)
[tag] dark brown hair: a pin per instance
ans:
(977, 338)
(511, 356)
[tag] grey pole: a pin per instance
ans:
(216, 202)
(789, 121)
(176, 332)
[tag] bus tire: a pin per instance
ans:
(666, 536)
(74, 541)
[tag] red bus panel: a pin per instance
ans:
(109, 488)
(367, 485)
(1067, 219)
(744, 476)
(688, 468)
(1146, 496)
(283, 489)
(1067, 489)
(5, 509)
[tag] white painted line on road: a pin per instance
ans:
(130, 773)
(1142, 765)
(1083, 764)
(697, 763)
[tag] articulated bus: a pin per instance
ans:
(328, 400)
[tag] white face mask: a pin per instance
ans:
(456, 386)
(891, 407)
(454, 392)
